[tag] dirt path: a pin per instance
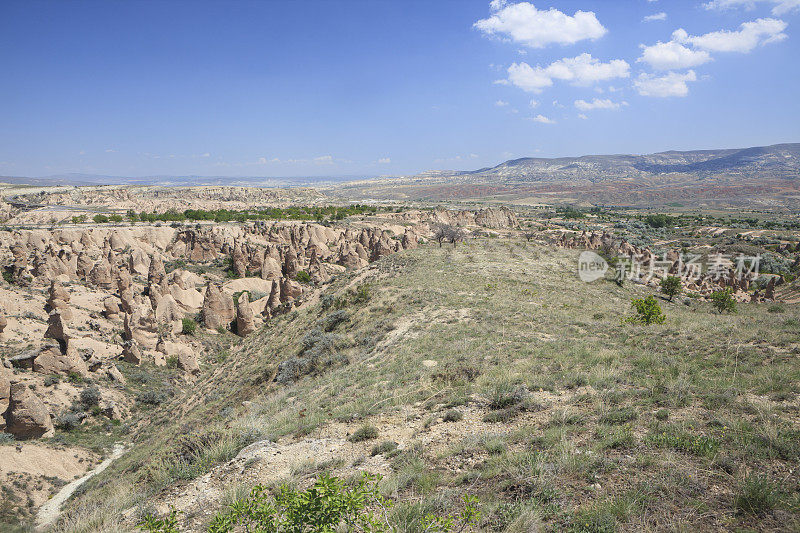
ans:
(49, 512)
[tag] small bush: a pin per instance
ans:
(619, 416)
(776, 308)
(90, 396)
(303, 277)
(189, 326)
(154, 397)
(100, 219)
(680, 440)
(172, 361)
(723, 301)
(756, 496)
(363, 433)
(671, 286)
(330, 322)
(647, 311)
(385, 447)
(69, 421)
(5, 438)
(329, 505)
(453, 415)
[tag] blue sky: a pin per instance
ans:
(376, 87)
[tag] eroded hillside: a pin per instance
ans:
(486, 369)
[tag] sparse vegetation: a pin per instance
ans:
(363, 433)
(188, 326)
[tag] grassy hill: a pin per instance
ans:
(486, 370)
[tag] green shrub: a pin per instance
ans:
(100, 219)
(776, 308)
(680, 440)
(384, 447)
(723, 301)
(303, 277)
(647, 311)
(363, 433)
(756, 496)
(660, 221)
(189, 326)
(452, 415)
(172, 361)
(168, 524)
(90, 396)
(619, 416)
(671, 286)
(115, 218)
(327, 506)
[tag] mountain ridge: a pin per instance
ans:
(774, 161)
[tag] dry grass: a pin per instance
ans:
(621, 427)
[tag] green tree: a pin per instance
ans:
(671, 286)
(647, 311)
(100, 219)
(723, 301)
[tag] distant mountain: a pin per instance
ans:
(776, 161)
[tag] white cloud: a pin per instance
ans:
(672, 56)
(384, 160)
(750, 35)
(324, 160)
(580, 70)
(110, 151)
(205, 155)
(533, 103)
(670, 84)
(536, 28)
(582, 116)
(501, 103)
(657, 16)
(780, 7)
(598, 103)
(543, 119)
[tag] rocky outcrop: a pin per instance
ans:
(57, 329)
(185, 355)
(5, 392)
(239, 262)
(131, 353)
(111, 307)
(27, 417)
(168, 310)
(245, 321)
(496, 218)
(217, 308)
(100, 275)
(156, 272)
(52, 361)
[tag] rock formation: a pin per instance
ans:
(27, 417)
